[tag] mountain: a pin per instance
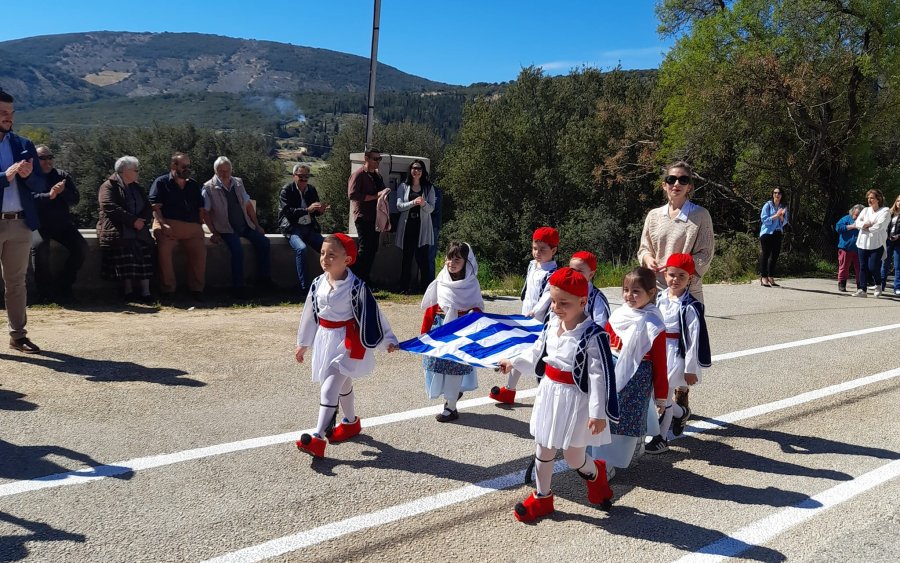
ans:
(83, 67)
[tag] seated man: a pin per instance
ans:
(300, 206)
(53, 206)
(229, 214)
(177, 201)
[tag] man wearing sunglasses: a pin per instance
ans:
(363, 188)
(53, 206)
(300, 206)
(19, 179)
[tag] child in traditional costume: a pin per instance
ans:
(638, 339)
(576, 396)
(454, 292)
(343, 324)
(597, 307)
(687, 344)
(535, 297)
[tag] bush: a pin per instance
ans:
(736, 258)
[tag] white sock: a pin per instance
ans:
(666, 421)
(452, 385)
(677, 410)
(513, 379)
(543, 469)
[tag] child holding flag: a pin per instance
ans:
(575, 399)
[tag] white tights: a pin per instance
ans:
(336, 389)
(576, 458)
(512, 379)
(673, 410)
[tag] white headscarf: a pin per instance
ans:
(637, 328)
(455, 295)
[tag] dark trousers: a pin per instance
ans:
(771, 248)
(870, 267)
(368, 246)
(260, 246)
(69, 237)
(893, 253)
(411, 249)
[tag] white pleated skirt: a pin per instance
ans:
(330, 356)
(560, 417)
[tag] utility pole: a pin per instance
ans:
(373, 65)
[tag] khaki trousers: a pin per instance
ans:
(193, 243)
(15, 252)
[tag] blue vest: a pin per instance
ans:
(365, 311)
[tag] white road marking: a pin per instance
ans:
(764, 530)
(89, 474)
(300, 540)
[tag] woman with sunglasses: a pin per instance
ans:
(415, 236)
(772, 218)
(678, 227)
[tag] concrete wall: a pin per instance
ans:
(385, 271)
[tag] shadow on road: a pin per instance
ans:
(105, 370)
(14, 548)
(31, 462)
(13, 401)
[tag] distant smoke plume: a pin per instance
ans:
(288, 108)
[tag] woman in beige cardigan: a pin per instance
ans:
(679, 226)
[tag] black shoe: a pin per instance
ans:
(239, 293)
(842, 286)
(24, 345)
(198, 296)
(145, 299)
(452, 415)
(679, 424)
(657, 446)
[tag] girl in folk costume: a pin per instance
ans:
(453, 293)
(637, 335)
(535, 297)
(576, 398)
(597, 307)
(687, 344)
(343, 324)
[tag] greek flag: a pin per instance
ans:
(478, 339)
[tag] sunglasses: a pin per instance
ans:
(776, 193)
(302, 176)
(46, 157)
(682, 180)
(419, 168)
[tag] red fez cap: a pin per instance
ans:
(683, 261)
(588, 258)
(548, 235)
(349, 246)
(570, 281)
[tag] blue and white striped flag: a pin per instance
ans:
(478, 339)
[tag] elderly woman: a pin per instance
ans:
(773, 218)
(847, 253)
(123, 231)
(872, 223)
(678, 227)
(415, 235)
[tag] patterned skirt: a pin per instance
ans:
(127, 260)
(633, 403)
(437, 370)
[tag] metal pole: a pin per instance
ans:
(373, 64)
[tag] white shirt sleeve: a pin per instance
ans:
(542, 307)
(306, 332)
(389, 337)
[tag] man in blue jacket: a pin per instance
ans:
(20, 178)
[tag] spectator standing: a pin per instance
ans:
(872, 223)
(230, 216)
(123, 231)
(773, 218)
(415, 235)
(363, 188)
(848, 255)
(893, 248)
(19, 180)
(300, 206)
(54, 203)
(177, 200)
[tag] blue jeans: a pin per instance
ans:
(893, 253)
(870, 265)
(260, 245)
(300, 240)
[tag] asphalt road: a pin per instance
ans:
(188, 419)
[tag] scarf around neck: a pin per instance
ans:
(637, 329)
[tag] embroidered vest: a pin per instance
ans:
(365, 311)
(704, 353)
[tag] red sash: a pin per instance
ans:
(559, 376)
(673, 335)
(352, 340)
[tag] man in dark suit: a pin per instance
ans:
(19, 180)
(53, 206)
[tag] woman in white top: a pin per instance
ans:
(893, 248)
(872, 223)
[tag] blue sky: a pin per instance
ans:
(453, 41)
